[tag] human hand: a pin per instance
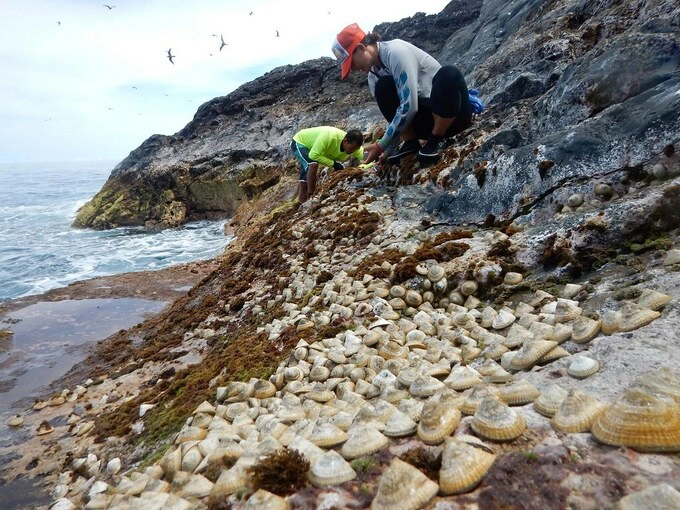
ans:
(337, 166)
(373, 152)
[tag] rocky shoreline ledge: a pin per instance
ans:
(347, 319)
(355, 350)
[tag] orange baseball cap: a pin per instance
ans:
(345, 44)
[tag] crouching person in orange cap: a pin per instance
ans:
(417, 96)
(325, 146)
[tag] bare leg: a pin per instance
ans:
(441, 124)
(311, 178)
(302, 191)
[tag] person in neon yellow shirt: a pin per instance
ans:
(325, 146)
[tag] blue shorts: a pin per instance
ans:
(302, 154)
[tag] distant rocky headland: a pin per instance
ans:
(497, 330)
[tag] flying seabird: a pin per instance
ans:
(277, 33)
(109, 7)
(251, 13)
(59, 23)
(171, 56)
(223, 43)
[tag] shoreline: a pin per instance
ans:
(167, 285)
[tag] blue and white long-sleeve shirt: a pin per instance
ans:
(412, 70)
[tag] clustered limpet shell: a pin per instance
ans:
(642, 421)
(464, 464)
(496, 421)
(549, 400)
(403, 486)
(330, 469)
(582, 367)
(577, 412)
(437, 421)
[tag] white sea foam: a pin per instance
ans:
(40, 251)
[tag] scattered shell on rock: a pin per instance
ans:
(610, 321)
(398, 291)
(503, 320)
(518, 393)
(462, 377)
(575, 200)
(327, 435)
(642, 421)
(653, 299)
(672, 257)
(530, 352)
(330, 469)
(437, 421)
(582, 367)
(362, 440)
(493, 372)
(413, 298)
(425, 386)
(476, 395)
(661, 382)
(44, 428)
(435, 273)
(577, 412)
(464, 464)
(467, 288)
(604, 190)
(496, 421)
(512, 278)
(634, 316)
(553, 354)
(571, 289)
(399, 424)
(403, 486)
(306, 448)
(16, 421)
(319, 374)
(657, 497)
(264, 500)
(566, 310)
(584, 329)
(549, 400)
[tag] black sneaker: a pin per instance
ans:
(434, 147)
(407, 147)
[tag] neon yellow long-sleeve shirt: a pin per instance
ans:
(324, 144)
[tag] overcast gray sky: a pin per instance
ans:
(82, 82)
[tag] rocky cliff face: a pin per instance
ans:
(236, 145)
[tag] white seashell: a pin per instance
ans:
(549, 400)
(440, 286)
(467, 288)
(436, 273)
(584, 329)
(330, 469)
(16, 421)
(582, 367)
(399, 424)
(403, 486)
(503, 320)
(464, 464)
(362, 440)
(512, 278)
(611, 321)
(496, 421)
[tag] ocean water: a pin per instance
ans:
(40, 251)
